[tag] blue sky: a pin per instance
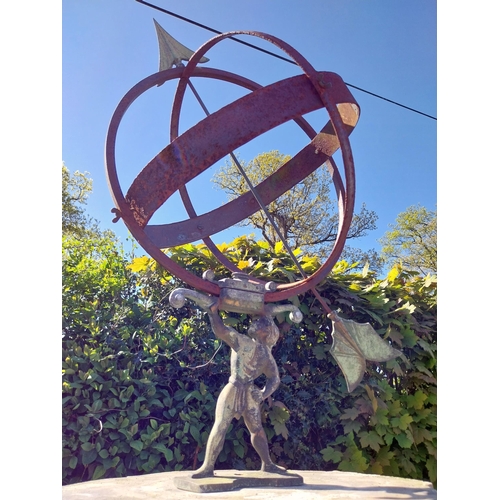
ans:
(386, 47)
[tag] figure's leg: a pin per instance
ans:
(223, 415)
(259, 439)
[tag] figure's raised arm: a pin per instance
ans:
(210, 304)
(226, 333)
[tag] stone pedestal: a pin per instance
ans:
(317, 485)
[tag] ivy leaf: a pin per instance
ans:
(404, 440)
(380, 417)
(422, 415)
(431, 465)
(99, 471)
(89, 456)
(392, 364)
(331, 455)
(166, 451)
(422, 368)
(137, 445)
(407, 465)
(239, 450)
(388, 438)
(426, 347)
(395, 336)
(319, 351)
(421, 434)
(279, 414)
(431, 448)
(350, 413)
(356, 463)
(404, 421)
(376, 317)
(280, 429)
(417, 400)
(371, 439)
(376, 468)
(353, 426)
(385, 456)
(409, 337)
(195, 433)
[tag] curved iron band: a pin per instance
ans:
(346, 206)
(306, 161)
(123, 206)
(222, 132)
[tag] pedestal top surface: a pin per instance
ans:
(317, 485)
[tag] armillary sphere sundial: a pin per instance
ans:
(191, 153)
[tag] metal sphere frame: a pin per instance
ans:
(192, 152)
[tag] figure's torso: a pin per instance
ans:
(250, 360)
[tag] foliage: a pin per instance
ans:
(304, 215)
(126, 375)
(412, 241)
(140, 379)
(76, 188)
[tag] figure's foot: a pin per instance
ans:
(203, 472)
(273, 468)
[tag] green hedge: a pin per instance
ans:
(140, 379)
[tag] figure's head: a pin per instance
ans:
(265, 330)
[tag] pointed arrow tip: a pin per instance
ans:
(172, 52)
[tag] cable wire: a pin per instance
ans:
(200, 25)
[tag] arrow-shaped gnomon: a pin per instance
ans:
(172, 53)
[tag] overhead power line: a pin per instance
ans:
(273, 54)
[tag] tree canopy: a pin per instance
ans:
(76, 188)
(305, 215)
(412, 240)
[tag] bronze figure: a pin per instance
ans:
(250, 357)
